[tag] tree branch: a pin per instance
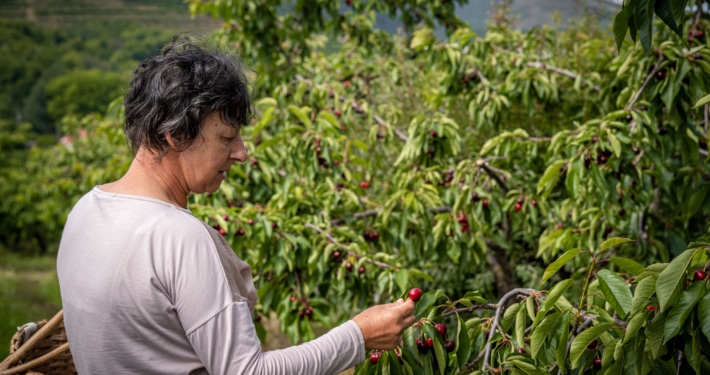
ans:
(564, 72)
(496, 320)
(493, 173)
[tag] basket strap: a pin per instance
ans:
(37, 361)
(26, 346)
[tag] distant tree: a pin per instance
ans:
(81, 92)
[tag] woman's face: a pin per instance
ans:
(207, 160)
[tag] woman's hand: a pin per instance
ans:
(382, 325)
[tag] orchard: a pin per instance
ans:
(546, 191)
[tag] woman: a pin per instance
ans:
(146, 286)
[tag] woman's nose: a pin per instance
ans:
(238, 152)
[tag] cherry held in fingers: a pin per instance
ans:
(415, 294)
(375, 356)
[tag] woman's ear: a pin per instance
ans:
(171, 141)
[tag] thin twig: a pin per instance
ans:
(401, 135)
(645, 83)
(564, 72)
(487, 306)
(375, 212)
(343, 247)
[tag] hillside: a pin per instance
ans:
(172, 14)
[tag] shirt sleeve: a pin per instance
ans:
(228, 344)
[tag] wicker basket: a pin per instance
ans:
(45, 352)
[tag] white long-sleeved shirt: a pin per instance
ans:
(147, 288)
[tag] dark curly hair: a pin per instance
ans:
(171, 93)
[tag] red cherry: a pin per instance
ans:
(450, 345)
(597, 363)
(429, 342)
(441, 328)
(422, 346)
(699, 275)
(338, 113)
(364, 184)
(361, 270)
(485, 203)
(415, 294)
(518, 207)
(592, 344)
(251, 222)
(375, 356)
(650, 308)
(223, 232)
(534, 203)
(347, 83)
(521, 350)
(433, 133)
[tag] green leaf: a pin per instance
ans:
(678, 8)
(702, 101)
(695, 358)
(410, 345)
(550, 177)
(628, 265)
(704, 315)
(520, 323)
(634, 324)
(526, 368)
(616, 291)
(463, 343)
(301, 115)
(402, 279)
(621, 24)
(557, 264)
(654, 334)
(671, 281)
(643, 18)
(581, 342)
(663, 10)
(614, 242)
(696, 201)
(541, 332)
(574, 172)
(643, 292)
(677, 316)
(615, 144)
(552, 297)
(426, 302)
(563, 337)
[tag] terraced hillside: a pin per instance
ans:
(171, 14)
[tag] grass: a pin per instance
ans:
(29, 292)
